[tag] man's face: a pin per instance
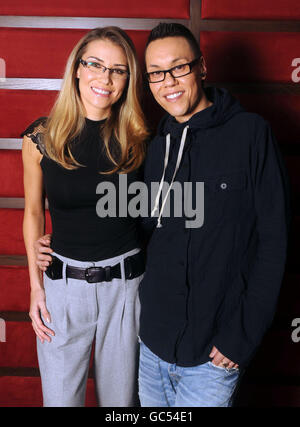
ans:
(181, 96)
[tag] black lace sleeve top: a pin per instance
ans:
(77, 230)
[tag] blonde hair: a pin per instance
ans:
(124, 132)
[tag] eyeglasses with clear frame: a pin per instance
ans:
(97, 68)
(179, 70)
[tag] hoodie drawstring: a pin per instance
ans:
(179, 157)
(163, 175)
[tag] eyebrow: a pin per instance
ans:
(101, 60)
(172, 62)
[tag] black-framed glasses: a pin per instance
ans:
(97, 68)
(179, 70)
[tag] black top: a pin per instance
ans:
(78, 232)
(217, 284)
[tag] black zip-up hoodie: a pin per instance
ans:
(215, 285)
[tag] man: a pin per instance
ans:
(209, 292)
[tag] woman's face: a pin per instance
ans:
(100, 90)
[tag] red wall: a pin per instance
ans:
(257, 62)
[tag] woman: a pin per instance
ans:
(94, 132)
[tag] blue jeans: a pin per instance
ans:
(166, 384)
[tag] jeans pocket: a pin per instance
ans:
(224, 369)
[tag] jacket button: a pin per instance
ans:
(223, 185)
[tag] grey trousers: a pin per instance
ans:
(105, 313)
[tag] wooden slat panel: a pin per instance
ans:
(16, 316)
(20, 346)
(31, 84)
(15, 202)
(19, 350)
(13, 260)
(20, 392)
(12, 202)
(10, 143)
(14, 288)
(27, 392)
(261, 88)
(277, 355)
(281, 110)
(293, 250)
(33, 43)
(288, 302)
(147, 24)
(113, 8)
(11, 176)
(85, 23)
(247, 25)
(251, 9)
(21, 109)
(247, 57)
(293, 163)
(19, 372)
(11, 235)
(268, 396)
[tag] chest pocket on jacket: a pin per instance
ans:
(224, 197)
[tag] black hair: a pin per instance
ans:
(174, 29)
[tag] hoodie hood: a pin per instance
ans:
(224, 107)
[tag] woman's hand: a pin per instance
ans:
(38, 308)
(42, 248)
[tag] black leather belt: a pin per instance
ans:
(134, 266)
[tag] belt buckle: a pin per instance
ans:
(92, 278)
(87, 275)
